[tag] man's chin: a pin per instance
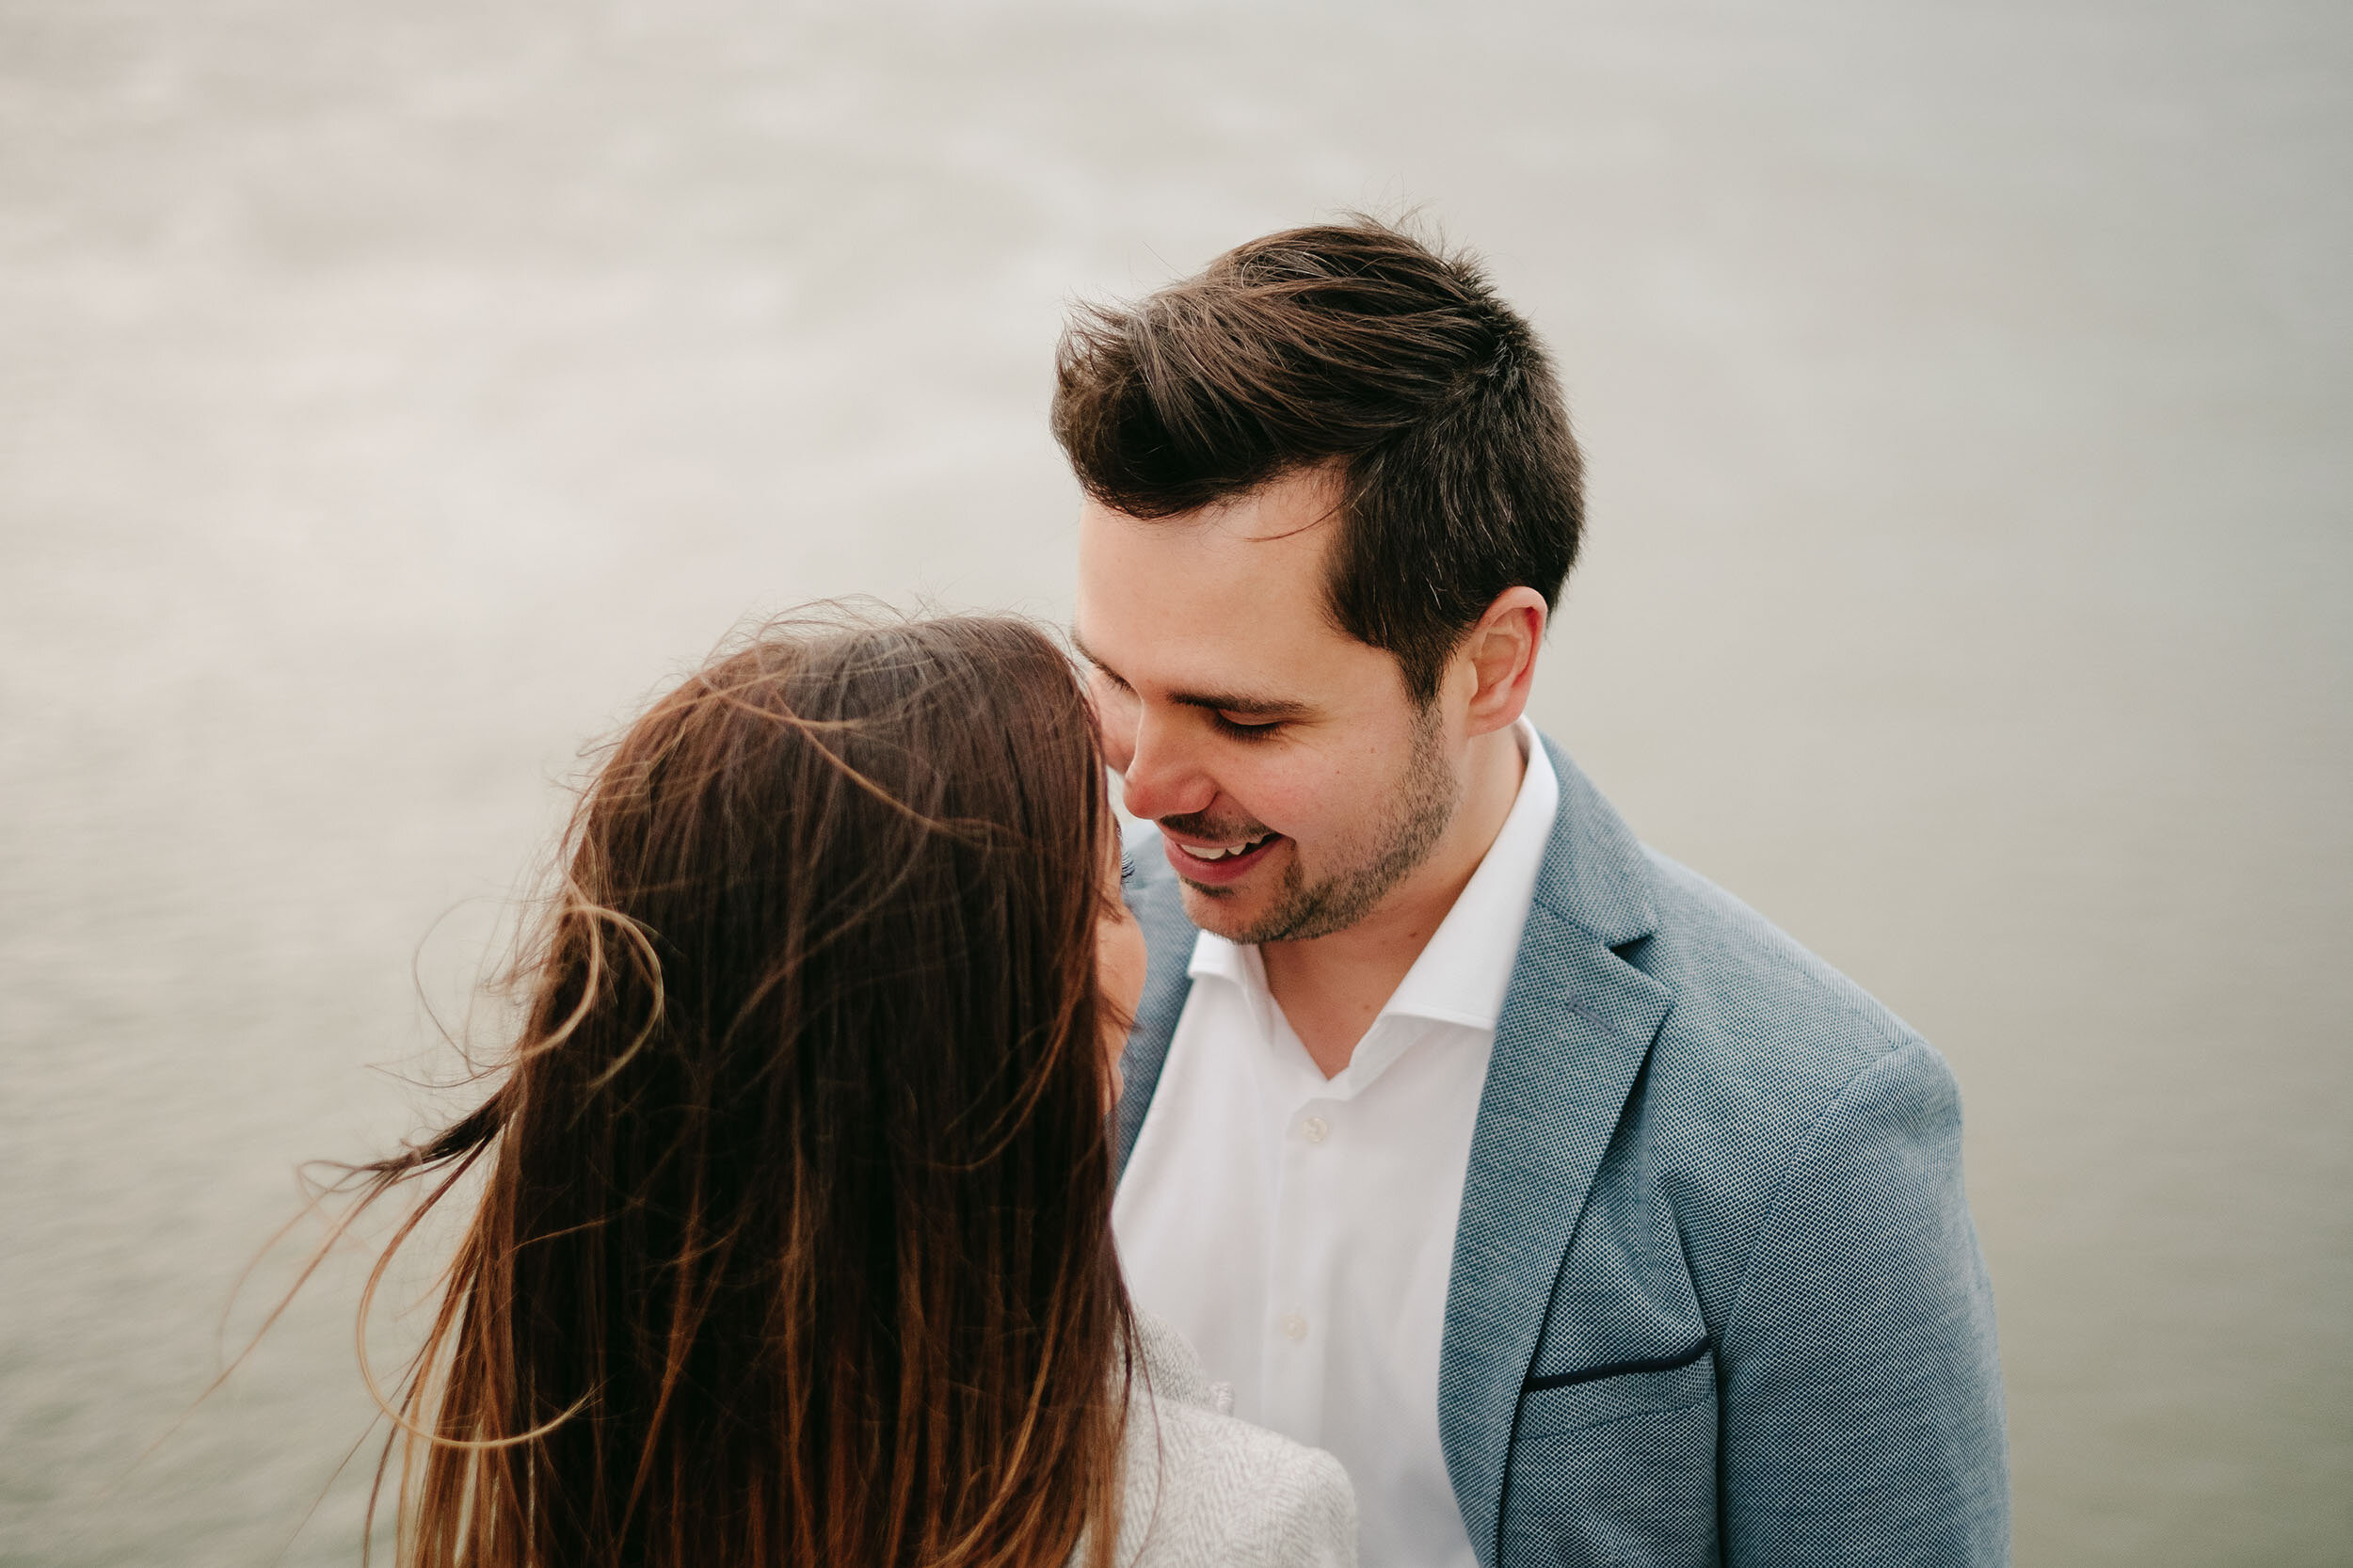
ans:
(1208, 906)
(1244, 915)
(1220, 911)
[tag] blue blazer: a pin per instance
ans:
(1716, 1296)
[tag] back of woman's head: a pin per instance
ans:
(792, 1243)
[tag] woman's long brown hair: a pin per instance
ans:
(793, 1242)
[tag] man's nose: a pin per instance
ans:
(1161, 779)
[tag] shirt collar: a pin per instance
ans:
(1461, 975)
(1215, 958)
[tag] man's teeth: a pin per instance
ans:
(1227, 850)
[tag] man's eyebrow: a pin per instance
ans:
(1222, 702)
(1242, 702)
(1079, 645)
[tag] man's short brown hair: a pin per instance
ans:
(1354, 346)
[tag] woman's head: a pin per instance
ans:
(794, 1238)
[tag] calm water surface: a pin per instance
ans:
(392, 396)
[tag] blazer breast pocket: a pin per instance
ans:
(1615, 1466)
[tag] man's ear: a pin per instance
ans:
(1498, 655)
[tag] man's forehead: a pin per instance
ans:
(1283, 508)
(1229, 600)
(1238, 565)
(1193, 661)
(1199, 673)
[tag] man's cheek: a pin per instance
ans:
(1297, 819)
(1115, 727)
(1301, 803)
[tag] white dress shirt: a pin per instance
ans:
(1299, 1230)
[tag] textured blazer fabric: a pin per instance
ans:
(1716, 1295)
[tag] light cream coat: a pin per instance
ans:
(1205, 1490)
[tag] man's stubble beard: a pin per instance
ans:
(1425, 804)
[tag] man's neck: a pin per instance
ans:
(1331, 988)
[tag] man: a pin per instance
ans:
(1581, 1214)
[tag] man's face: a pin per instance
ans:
(1294, 781)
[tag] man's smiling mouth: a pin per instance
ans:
(1223, 852)
(1214, 866)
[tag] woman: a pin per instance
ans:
(793, 1238)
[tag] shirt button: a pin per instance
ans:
(1316, 1129)
(1294, 1326)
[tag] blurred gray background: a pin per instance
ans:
(393, 395)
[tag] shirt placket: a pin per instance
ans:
(1298, 1327)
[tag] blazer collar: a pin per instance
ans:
(1578, 1023)
(1595, 873)
(1168, 938)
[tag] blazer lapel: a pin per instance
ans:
(1168, 939)
(1578, 1023)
